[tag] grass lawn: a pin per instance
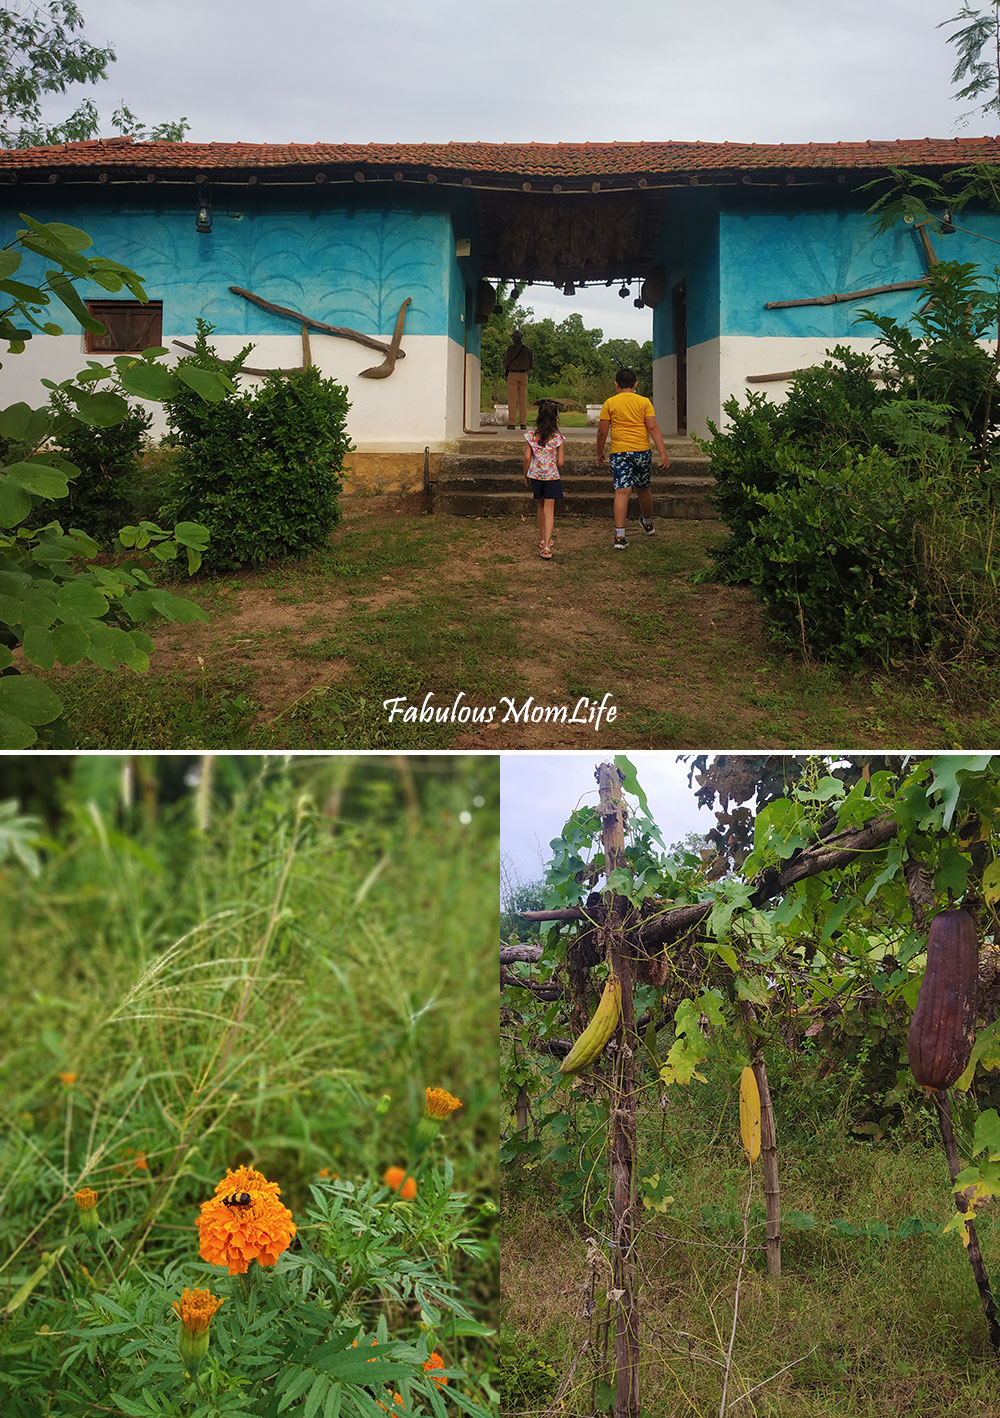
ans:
(401, 604)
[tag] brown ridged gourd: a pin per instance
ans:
(943, 1026)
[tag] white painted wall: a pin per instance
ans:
(717, 370)
(665, 392)
(473, 389)
(419, 405)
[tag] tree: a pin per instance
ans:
(43, 51)
(978, 47)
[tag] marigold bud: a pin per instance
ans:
(86, 1202)
(195, 1309)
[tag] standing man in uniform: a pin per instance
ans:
(632, 423)
(516, 362)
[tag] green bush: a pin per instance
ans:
(102, 497)
(261, 469)
(862, 510)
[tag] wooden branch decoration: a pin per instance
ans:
(383, 370)
(244, 368)
(838, 296)
(343, 331)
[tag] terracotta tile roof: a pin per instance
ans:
(551, 161)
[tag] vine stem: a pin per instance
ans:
(975, 1254)
(736, 1297)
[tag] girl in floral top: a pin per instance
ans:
(543, 460)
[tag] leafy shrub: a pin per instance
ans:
(54, 607)
(260, 469)
(102, 497)
(526, 1374)
(862, 509)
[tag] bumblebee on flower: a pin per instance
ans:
(244, 1221)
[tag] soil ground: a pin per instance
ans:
(402, 605)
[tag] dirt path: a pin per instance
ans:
(403, 605)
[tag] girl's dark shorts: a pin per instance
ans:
(546, 488)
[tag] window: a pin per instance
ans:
(130, 326)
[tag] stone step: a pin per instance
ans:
(510, 445)
(483, 475)
(578, 465)
(454, 499)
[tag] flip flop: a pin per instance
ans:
(546, 553)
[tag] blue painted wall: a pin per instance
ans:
(788, 248)
(688, 247)
(351, 264)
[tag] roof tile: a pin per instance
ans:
(523, 160)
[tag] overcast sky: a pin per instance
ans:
(384, 71)
(539, 791)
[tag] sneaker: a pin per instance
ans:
(512, 425)
(620, 543)
(647, 527)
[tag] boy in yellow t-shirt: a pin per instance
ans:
(632, 423)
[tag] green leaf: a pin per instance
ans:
(799, 1219)
(15, 732)
(15, 504)
(64, 289)
(9, 262)
(39, 647)
(78, 599)
(15, 420)
(40, 478)
(29, 699)
(986, 1134)
(208, 385)
(192, 534)
(101, 410)
(32, 604)
(148, 381)
(71, 643)
(948, 769)
(73, 237)
(991, 881)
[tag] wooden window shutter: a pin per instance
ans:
(130, 326)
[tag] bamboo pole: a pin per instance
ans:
(975, 1254)
(623, 1114)
(768, 1141)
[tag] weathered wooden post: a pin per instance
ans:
(623, 1108)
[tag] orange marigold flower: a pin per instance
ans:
(398, 1181)
(196, 1309)
(235, 1235)
(325, 1172)
(397, 1400)
(85, 1198)
(435, 1362)
(439, 1103)
(68, 1078)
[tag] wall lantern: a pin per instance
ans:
(624, 291)
(947, 227)
(569, 288)
(203, 216)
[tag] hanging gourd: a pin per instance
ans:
(943, 1027)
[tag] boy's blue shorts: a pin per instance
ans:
(632, 468)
